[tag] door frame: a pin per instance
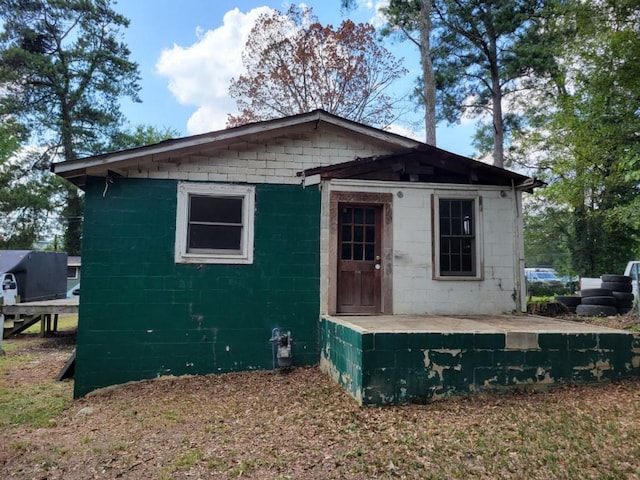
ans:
(385, 200)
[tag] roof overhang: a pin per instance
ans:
(423, 163)
(108, 164)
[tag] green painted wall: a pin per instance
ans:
(341, 356)
(397, 368)
(142, 315)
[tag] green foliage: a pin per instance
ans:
(27, 194)
(63, 69)
(140, 136)
(476, 69)
(542, 289)
(546, 235)
(587, 137)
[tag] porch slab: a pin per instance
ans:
(395, 359)
(465, 323)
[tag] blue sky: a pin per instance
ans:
(188, 50)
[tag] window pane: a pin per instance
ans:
(455, 246)
(215, 209)
(346, 215)
(369, 251)
(358, 234)
(370, 234)
(444, 208)
(370, 216)
(445, 226)
(346, 251)
(215, 237)
(358, 215)
(456, 228)
(467, 264)
(445, 264)
(357, 252)
(467, 208)
(455, 263)
(346, 233)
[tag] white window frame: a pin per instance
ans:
(185, 190)
(477, 211)
(76, 270)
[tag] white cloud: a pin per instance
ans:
(406, 132)
(379, 20)
(200, 73)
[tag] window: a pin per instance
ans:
(358, 234)
(456, 238)
(214, 223)
(72, 273)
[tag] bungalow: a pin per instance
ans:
(208, 253)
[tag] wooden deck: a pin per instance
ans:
(60, 305)
(19, 317)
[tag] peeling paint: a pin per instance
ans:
(599, 367)
(401, 375)
(490, 381)
(345, 379)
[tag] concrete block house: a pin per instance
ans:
(196, 249)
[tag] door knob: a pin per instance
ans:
(377, 266)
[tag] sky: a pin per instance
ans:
(188, 51)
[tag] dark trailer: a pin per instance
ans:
(40, 275)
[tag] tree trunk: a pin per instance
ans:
(73, 211)
(498, 128)
(427, 73)
(496, 96)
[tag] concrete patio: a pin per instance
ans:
(397, 359)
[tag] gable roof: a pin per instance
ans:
(76, 171)
(424, 163)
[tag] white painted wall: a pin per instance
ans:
(414, 289)
(275, 160)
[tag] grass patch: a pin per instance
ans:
(33, 405)
(65, 322)
(23, 401)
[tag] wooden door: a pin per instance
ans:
(359, 265)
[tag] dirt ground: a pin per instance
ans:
(298, 425)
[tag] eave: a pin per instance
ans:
(109, 164)
(423, 163)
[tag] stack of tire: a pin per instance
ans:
(621, 289)
(613, 297)
(569, 301)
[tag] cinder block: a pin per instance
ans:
(615, 341)
(505, 358)
(521, 341)
(580, 341)
(553, 341)
(491, 341)
(390, 341)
